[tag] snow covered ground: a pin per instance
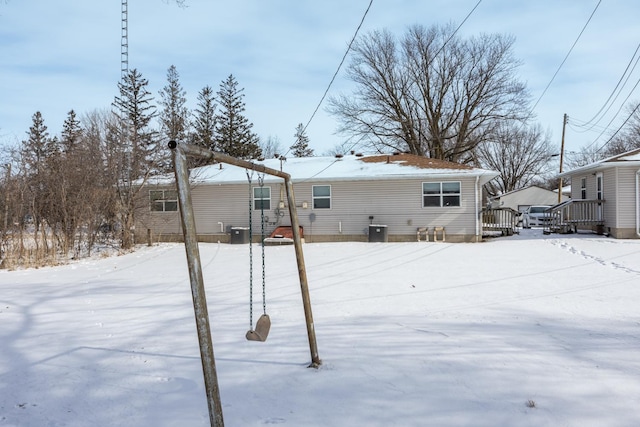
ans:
(529, 330)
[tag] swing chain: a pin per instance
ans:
(249, 177)
(264, 293)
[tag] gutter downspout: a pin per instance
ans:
(478, 234)
(638, 203)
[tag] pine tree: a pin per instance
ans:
(38, 147)
(174, 117)
(135, 110)
(38, 153)
(301, 146)
(233, 129)
(204, 121)
(71, 132)
(136, 153)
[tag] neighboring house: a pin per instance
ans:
(612, 187)
(337, 199)
(521, 199)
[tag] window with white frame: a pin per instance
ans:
(163, 200)
(261, 198)
(599, 188)
(583, 188)
(441, 194)
(321, 196)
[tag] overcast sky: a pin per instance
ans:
(65, 54)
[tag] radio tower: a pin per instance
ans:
(124, 45)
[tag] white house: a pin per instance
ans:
(337, 198)
(612, 185)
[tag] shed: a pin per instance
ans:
(522, 198)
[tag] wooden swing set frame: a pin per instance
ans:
(179, 153)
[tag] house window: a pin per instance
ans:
(163, 200)
(321, 196)
(440, 194)
(599, 189)
(261, 198)
(583, 188)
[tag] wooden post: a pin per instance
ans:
(197, 287)
(297, 239)
(302, 274)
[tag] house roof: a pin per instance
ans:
(350, 168)
(519, 190)
(631, 158)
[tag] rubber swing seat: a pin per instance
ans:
(261, 331)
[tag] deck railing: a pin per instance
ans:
(572, 215)
(504, 220)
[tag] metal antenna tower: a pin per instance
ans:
(124, 45)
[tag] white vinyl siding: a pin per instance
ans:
(395, 203)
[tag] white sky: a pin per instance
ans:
(65, 54)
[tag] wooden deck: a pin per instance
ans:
(572, 215)
(503, 220)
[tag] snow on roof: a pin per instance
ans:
(630, 157)
(351, 167)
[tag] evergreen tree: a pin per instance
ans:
(38, 147)
(204, 121)
(174, 117)
(38, 153)
(233, 130)
(136, 153)
(301, 146)
(71, 132)
(137, 141)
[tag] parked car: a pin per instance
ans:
(535, 216)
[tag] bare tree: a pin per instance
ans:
(99, 141)
(271, 147)
(431, 93)
(521, 154)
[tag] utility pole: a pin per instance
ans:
(564, 126)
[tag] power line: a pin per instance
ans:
(344, 57)
(616, 88)
(565, 58)
(580, 126)
(443, 45)
(618, 130)
(459, 26)
(614, 117)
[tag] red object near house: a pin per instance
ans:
(285, 231)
